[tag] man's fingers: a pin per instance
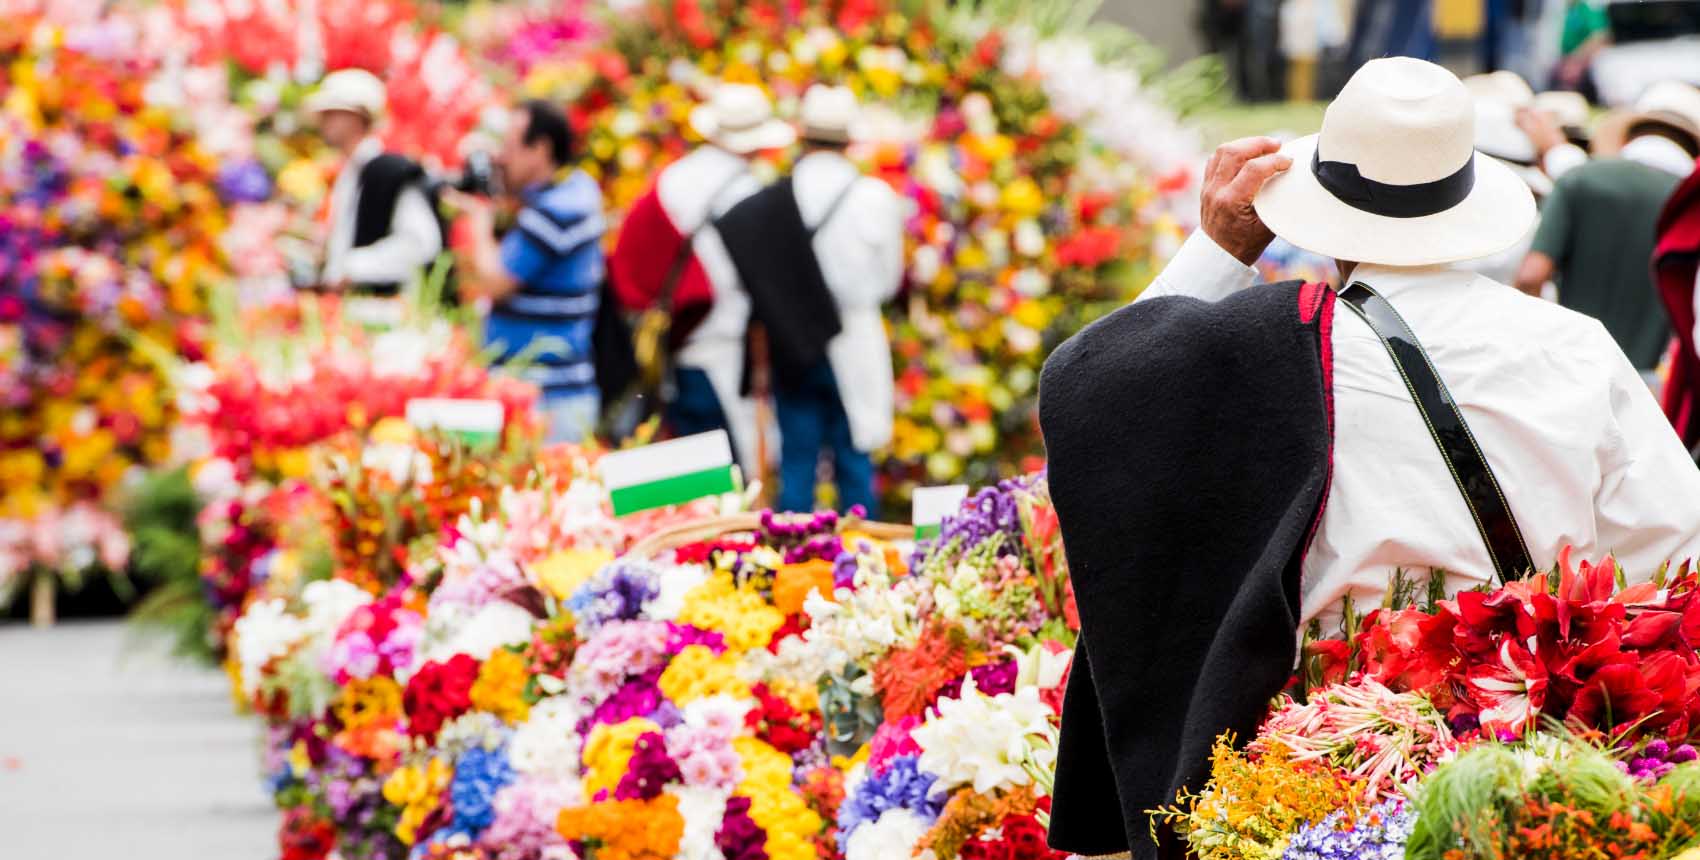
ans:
(1231, 155)
(1256, 172)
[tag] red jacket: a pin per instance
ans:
(649, 247)
(1676, 258)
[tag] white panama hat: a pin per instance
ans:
(739, 118)
(827, 113)
(353, 90)
(1393, 178)
(1498, 136)
(1673, 104)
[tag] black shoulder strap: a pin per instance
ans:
(833, 208)
(676, 270)
(1451, 434)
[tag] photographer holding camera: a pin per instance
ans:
(542, 278)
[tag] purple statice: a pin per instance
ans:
(479, 775)
(990, 679)
(844, 570)
(616, 593)
(650, 770)
(1378, 834)
(903, 785)
(682, 636)
(1658, 758)
(740, 838)
(244, 182)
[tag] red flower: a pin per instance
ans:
(1510, 692)
(1331, 656)
(438, 692)
(1407, 650)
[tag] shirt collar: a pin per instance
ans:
(1390, 281)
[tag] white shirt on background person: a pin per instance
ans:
(693, 191)
(415, 237)
(860, 251)
(1582, 451)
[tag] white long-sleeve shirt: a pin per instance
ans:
(414, 241)
(1581, 449)
(860, 251)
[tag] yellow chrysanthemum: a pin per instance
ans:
(740, 614)
(608, 750)
(698, 673)
(500, 687)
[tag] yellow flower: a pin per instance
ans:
(1023, 197)
(740, 614)
(500, 687)
(369, 701)
(608, 750)
(790, 824)
(564, 571)
(698, 673)
(416, 790)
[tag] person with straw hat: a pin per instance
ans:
(819, 253)
(670, 257)
(1599, 226)
(1233, 464)
(383, 228)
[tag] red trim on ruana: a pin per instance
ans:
(1317, 300)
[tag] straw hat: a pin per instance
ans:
(827, 113)
(1497, 135)
(354, 90)
(739, 118)
(1393, 177)
(1502, 86)
(1673, 105)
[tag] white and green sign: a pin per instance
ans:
(932, 504)
(476, 422)
(669, 473)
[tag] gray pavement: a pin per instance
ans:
(109, 749)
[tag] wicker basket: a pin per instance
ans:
(713, 527)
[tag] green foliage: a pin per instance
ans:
(165, 561)
(1461, 804)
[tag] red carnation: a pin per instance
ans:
(438, 692)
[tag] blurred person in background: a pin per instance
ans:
(383, 227)
(1676, 270)
(1498, 97)
(819, 253)
(542, 279)
(1598, 227)
(669, 256)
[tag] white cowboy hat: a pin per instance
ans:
(1498, 136)
(827, 113)
(354, 90)
(739, 118)
(1393, 178)
(1672, 104)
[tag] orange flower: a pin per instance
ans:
(793, 582)
(626, 829)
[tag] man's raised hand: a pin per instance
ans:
(1235, 173)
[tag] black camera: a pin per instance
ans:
(478, 176)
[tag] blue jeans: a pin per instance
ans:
(695, 408)
(570, 417)
(811, 417)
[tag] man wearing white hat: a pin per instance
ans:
(1598, 226)
(1229, 464)
(669, 255)
(819, 253)
(383, 229)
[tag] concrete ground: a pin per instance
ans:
(109, 749)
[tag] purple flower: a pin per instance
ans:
(638, 697)
(682, 636)
(616, 593)
(1379, 834)
(740, 838)
(649, 771)
(244, 182)
(990, 679)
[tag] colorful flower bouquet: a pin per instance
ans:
(1550, 717)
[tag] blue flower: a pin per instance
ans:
(616, 593)
(244, 182)
(903, 785)
(1379, 834)
(479, 774)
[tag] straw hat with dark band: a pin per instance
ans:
(1394, 178)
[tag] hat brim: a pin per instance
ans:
(772, 134)
(1497, 214)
